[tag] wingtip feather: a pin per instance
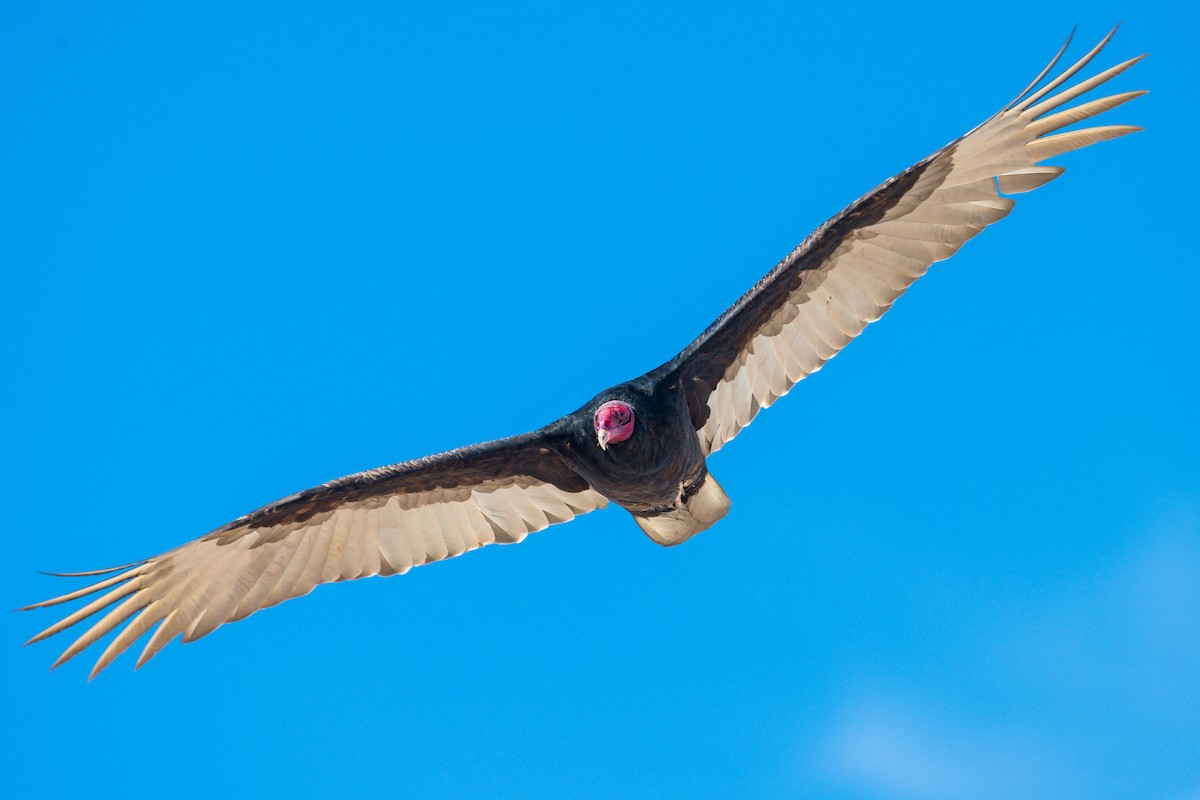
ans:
(1022, 102)
(82, 592)
(93, 572)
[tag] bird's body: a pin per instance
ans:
(643, 444)
(648, 474)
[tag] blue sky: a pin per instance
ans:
(247, 250)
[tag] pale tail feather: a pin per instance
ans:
(699, 512)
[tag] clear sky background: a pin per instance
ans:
(247, 250)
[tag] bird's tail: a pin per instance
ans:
(707, 505)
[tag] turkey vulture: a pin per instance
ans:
(643, 444)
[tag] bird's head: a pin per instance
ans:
(614, 423)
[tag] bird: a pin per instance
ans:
(643, 445)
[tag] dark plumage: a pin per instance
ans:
(642, 444)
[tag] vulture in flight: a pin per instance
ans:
(644, 444)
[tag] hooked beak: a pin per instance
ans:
(602, 436)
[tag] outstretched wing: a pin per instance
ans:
(380, 522)
(851, 269)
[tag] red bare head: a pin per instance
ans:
(614, 423)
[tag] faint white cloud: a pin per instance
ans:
(1160, 584)
(902, 752)
(1091, 689)
(1129, 636)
